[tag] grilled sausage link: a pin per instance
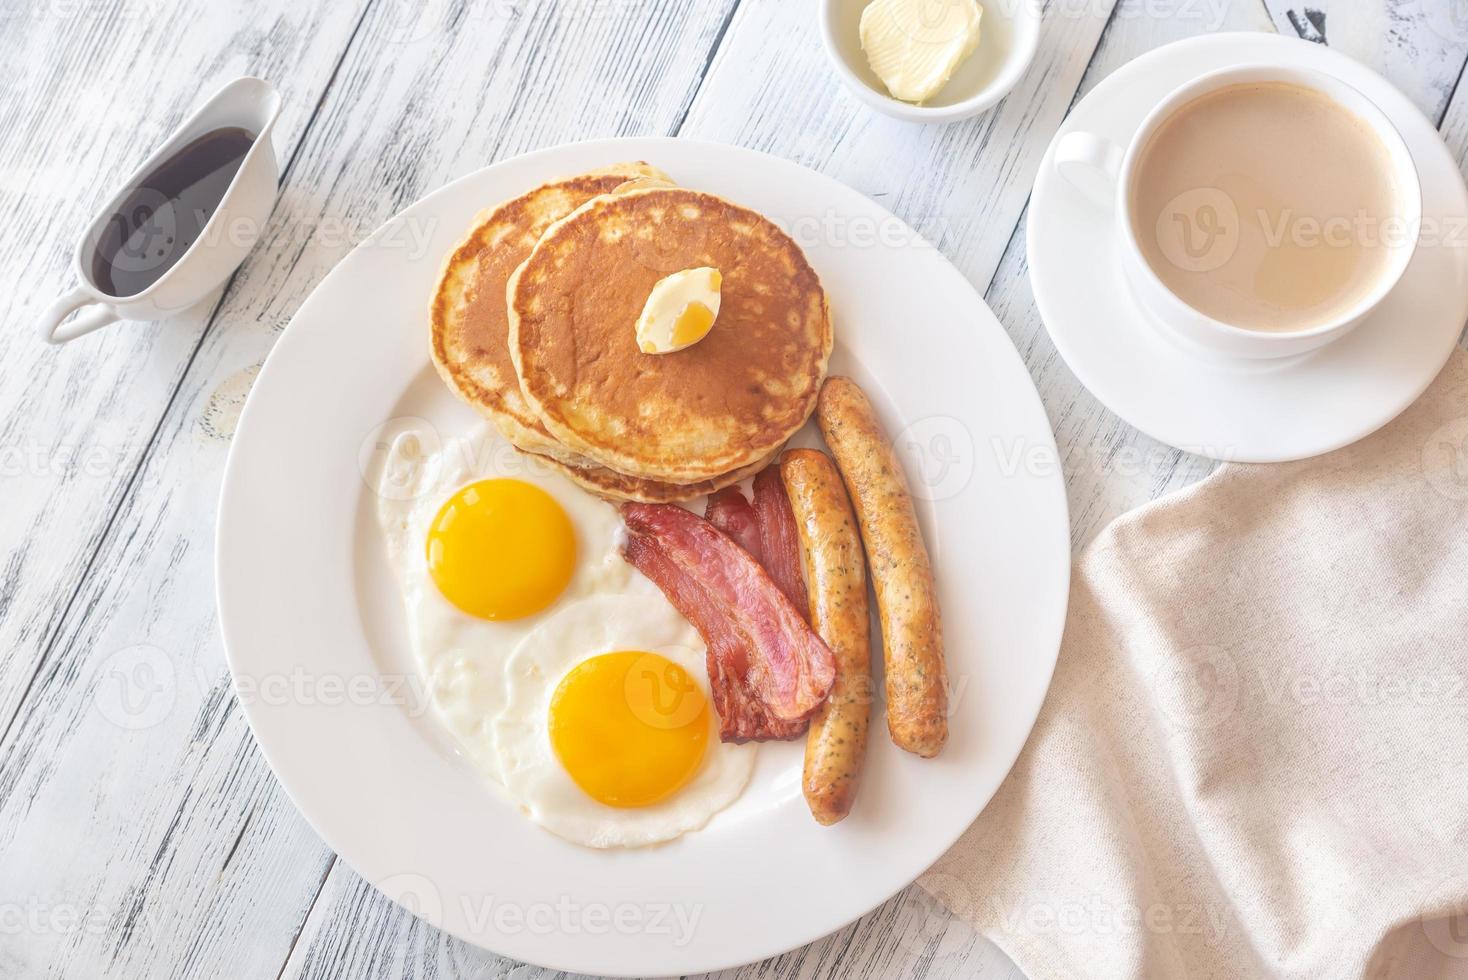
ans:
(902, 577)
(835, 576)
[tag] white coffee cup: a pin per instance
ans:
(232, 230)
(1104, 171)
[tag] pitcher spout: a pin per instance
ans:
(250, 103)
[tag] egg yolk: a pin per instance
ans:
(630, 728)
(501, 549)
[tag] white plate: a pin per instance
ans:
(1239, 410)
(313, 628)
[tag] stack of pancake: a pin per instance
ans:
(534, 325)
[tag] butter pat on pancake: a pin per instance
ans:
(470, 327)
(680, 311)
(721, 405)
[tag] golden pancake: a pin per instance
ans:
(470, 328)
(618, 486)
(640, 182)
(470, 331)
(721, 405)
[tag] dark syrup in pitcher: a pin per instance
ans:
(166, 212)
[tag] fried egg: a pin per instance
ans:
(631, 755)
(560, 672)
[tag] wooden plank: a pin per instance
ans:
(1421, 47)
(100, 87)
(97, 88)
(155, 805)
(130, 789)
(1454, 130)
(1454, 126)
(221, 362)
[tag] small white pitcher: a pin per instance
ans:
(251, 104)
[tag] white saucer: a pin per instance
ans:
(1247, 411)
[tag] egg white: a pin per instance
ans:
(490, 682)
(461, 657)
(530, 769)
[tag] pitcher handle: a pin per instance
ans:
(54, 332)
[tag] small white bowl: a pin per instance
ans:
(1009, 35)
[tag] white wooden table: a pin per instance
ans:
(141, 833)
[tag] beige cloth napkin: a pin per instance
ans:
(1253, 760)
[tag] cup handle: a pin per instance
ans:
(1091, 164)
(52, 329)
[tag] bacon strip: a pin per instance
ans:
(742, 716)
(790, 669)
(779, 540)
(728, 511)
